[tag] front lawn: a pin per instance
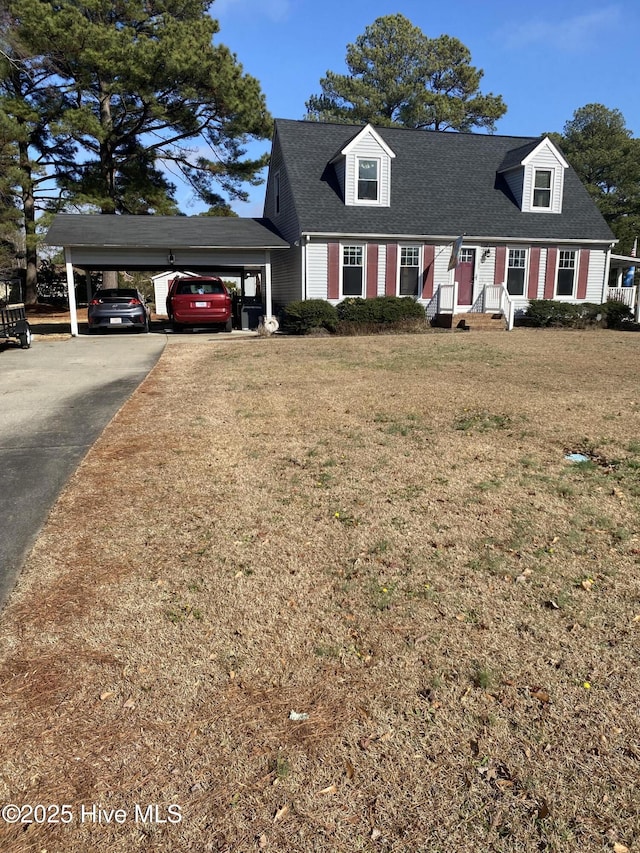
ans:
(381, 535)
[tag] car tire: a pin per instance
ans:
(228, 326)
(176, 326)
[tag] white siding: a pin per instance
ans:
(285, 220)
(515, 182)
(542, 273)
(382, 266)
(544, 159)
(368, 147)
(486, 267)
(340, 174)
(286, 277)
(595, 281)
(317, 270)
(440, 264)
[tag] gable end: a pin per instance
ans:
(363, 170)
(535, 177)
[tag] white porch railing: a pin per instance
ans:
(627, 295)
(494, 299)
(507, 306)
(447, 298)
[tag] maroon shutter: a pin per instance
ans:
(501, 265)
(392, 270)
(428, 273)
(550, 273)
(372, 270)
(583, 273)
(333, 276)
(534, 272)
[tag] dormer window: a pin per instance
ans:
(368, 180)
(542, 188)
(363, 170)
(534, 174)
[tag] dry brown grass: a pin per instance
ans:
(381, 533)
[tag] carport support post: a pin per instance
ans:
(267, 285)
(71, 290)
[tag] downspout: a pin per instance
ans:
(267, 283)
(305, 267)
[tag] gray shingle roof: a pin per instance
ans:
(515, 156)
(442, 184)
(179, 232)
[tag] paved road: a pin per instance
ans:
(55, 400)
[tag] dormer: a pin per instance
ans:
(363, 168)
(535, 176)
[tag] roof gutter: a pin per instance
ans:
(450, 238)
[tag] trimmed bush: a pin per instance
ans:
(308, 315)
(616, 313)
(548, 312)
(381, 310)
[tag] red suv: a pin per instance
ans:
(199, 301)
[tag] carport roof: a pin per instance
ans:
(194, 232)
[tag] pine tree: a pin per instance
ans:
(399, 76)
(29, 103)
(127, 97)
(146, 87)
(606, 157)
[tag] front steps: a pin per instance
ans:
(473, 321)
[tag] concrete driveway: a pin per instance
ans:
(55, 400)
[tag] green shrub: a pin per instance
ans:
(380, 310)
(548, 312)
(307, 315)
(615, 313)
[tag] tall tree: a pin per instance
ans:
(606, 157)
(148, 89)
(145, 96)
(399, 76)
(29, 103)
(9, 212)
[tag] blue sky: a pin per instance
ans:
(546, 60)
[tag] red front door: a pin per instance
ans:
(464, 275)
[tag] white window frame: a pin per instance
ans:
(525, 252)
(419, 266)
(378, 162)
(344, 247)
(576, 258)
(545, 208)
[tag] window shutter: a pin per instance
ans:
(372, 270)
(499, 273)
(392, 269)
(534, 272)
(583, 274)
(333, 276)
(428, 273)
(550, 273)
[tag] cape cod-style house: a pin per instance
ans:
(464, 223)
(467, 224)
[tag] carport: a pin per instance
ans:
(198, 243)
